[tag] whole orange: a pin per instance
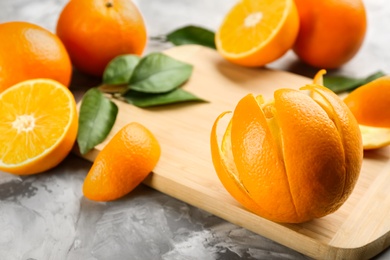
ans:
(28, 51)
(293, 159)
(96, 31)
(331, 31)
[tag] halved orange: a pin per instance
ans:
(38, 126)
(257, 32)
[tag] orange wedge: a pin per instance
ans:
(38, 126)
(257, 32)
(126, 160)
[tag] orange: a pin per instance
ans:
(257, 32)
(96, 31)
(122, 164)
(38, 126)
(331, 31)
(28, 51)
(292, 159)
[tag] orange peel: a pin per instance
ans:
(370, 105)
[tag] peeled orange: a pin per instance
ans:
(292, 159)
(38, 126)
(256, 32)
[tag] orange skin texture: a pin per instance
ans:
(96, 31)
(28, 51)
(123, 164)
(292, 161)
(370, 103)
(331, 31)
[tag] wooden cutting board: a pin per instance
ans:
(358, 230)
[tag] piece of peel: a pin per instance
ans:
(374, 137)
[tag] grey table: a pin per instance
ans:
(46, 216)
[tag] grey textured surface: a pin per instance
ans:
(46, 217)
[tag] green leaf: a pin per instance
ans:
(340, 84)
(96, 118)
(120, 69)
(192, 35)
(159, 73)
(148, 100)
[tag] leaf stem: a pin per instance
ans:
(159, 38)
(113, 89)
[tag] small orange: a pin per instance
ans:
(331, 31)
(257, 32)
(38, 126)
(290, 160)
(122, 164)
(28, 51)
(96, 31)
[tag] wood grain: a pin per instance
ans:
(358, 230)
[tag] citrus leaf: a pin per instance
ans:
(159, 73)
(192, 35)
(339, 84)
(96, 118)
(120, 69)
(140, 99)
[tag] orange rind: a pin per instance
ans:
(126, 160)
(370, 104)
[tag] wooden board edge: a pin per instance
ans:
(280, 233)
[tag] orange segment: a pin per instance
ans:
(38, 127)
(123, 163)
(256, 32)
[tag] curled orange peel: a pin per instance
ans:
(377, 133)
(370, 105)
(292, 159)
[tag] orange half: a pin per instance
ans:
(38, 126)
(256, 32)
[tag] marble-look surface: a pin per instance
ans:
(46, 216)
